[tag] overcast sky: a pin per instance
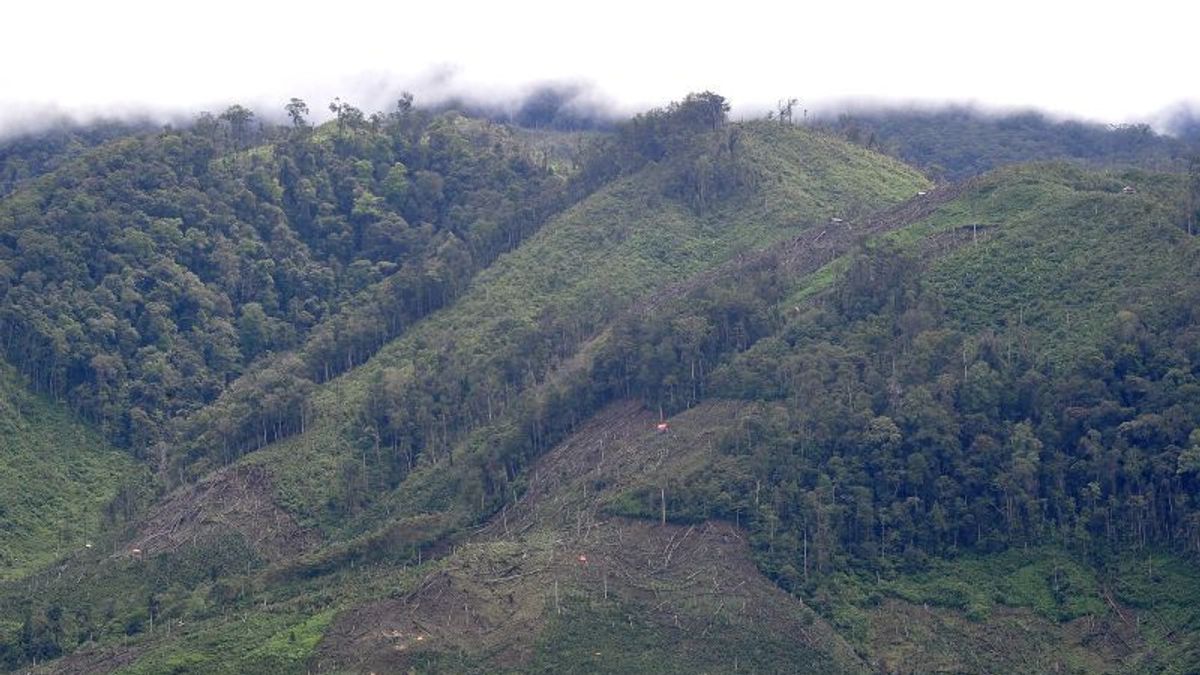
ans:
(1098, 60)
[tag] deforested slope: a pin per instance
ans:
(556, 583)
(976, 421)
(400, 456)
(1008, 382)
(465, 366)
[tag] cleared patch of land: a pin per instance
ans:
(553, 577)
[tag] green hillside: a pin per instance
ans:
(905, 427)
(145, 276)
(1017, 368)
(1068, 251)
(533, 308)
(1065, 599)
(58, 478)
(487, 357)
(556, 584)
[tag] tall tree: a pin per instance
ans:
(297, 111)
(239, 119)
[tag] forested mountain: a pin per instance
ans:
(416, 391)
(145, 276)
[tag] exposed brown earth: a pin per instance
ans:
(237, 500)
(909, 638)
(556, 555)
(96, 661)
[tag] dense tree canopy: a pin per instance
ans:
(144, 277)
(884, 435)
(26, 156)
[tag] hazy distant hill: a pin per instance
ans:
(24, 156)
(955, 143)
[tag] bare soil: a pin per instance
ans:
(93, 661)
(555, 554)
(236, 500)
(910, 638)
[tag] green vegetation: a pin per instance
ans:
(956, 143)
(265, 642)
(1129, 613)
(145, 276)
(1079, 252)
(25, 157)
(1047, 581)
(463, 369)
(59, 481)
(924, 408)
(398, 374)
(616, 641)
(444, 419)
(934, 378)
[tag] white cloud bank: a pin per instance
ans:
(1097, 60)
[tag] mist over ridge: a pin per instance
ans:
(566, 104)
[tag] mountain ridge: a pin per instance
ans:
(888, 405)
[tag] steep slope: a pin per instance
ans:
(1068, 250)
(1095, 249)
(144, 276)
(57, 478)
(1016, 368)
(533, 308)
(978, 422)
(557, 584)
(233, 503)
(454, 388)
